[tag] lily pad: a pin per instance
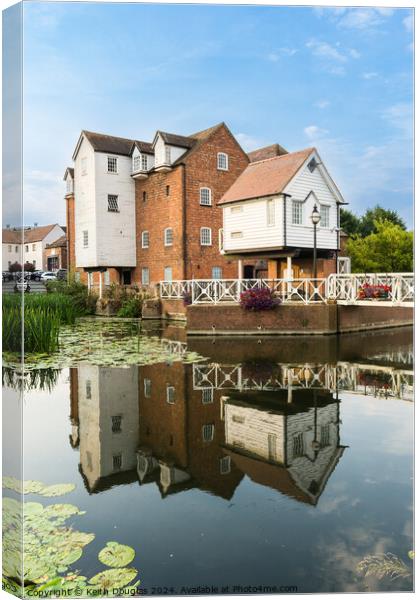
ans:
(58, 489)
(22, 487)
(116, 555)
(114, 578)
(62, 510)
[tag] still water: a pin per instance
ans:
(274, 462)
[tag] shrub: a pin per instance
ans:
(29, 267)
(15, 267)
(131, 308)
(259, 299)
(84, 303)
(373, 291)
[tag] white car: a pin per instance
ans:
(48, 276)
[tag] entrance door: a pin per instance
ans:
(248, 272)
(126, 277)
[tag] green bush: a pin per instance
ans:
(131, 307)
(84, 303)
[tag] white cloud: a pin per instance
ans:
(356, 18)
(276, 55)
(325, 51)
(333, 58)
(322, 104)
(408, 23)
(314, 132)
(354, 53)
(370, 75)
(400, 116)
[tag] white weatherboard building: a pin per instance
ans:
(267, 214)
(28, 245)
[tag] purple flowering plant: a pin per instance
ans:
(258, 299)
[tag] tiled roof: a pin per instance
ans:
(109, 143)
(12, 236)
(177, 140)
(144, 147)
(266, 152)
(62, 241)
(34, 234)
(266, 177)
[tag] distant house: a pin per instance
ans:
(56, 254)
(28, 244)
(267, 214)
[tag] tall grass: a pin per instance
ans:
(43, 316)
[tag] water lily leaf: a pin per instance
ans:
(67, 556)
(62, 510)
(411, 554)
(22, 487)
(114, 578)
(116, 555)
(29, 508)
(58, 489)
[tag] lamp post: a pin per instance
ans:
(315, 217)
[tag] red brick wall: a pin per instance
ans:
(60, 252)
(202, 172)
(356, 318)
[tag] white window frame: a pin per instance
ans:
(170, 394)
(85, 235)
(222, 161)
(203, 232)
(297, 204)
(168, 237)
(144, 162)
(167, 155)
(113, 203)
(271, 212)
(112, 164)
(324, 222)
(236, 235)
(207, 432)
(205, 196)
(136, 163)
(236, 209)
(220, 270)
(145, 280)
(225, 465)
(145, 239)
(69, 185)
(207, 395)
(165, 269)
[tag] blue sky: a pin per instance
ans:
(339, 79)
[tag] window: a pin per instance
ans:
(69, 185)
(170, 394)
(207, 395)
(33, 247)
(107, 278)
(145, 276)
(34, 263)
(208, 433)
(205, 236)
(169, 236)
(85, 239)
(116, 424)
(117, 462)
(168, 155)
(296, 212)
(236, 235)
(222, 161)
(88, 387)
(9, 248)
(112, 203)
(271, 213)
(236, 209)
(112, 164)
(136, 163)
(298, 445)
(168, 190)
(144, 196)
(144, 162)
(325, 436)
(167, 274)
(312, 164)
(26, 248)
(225, 465)
(216, 273)
(325, 216)
(147, 388)
(84, 165)
(238, 419)
(16, 248)
(145, 239)
(205, 196)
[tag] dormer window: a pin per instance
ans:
(69, 185)
(168, 155)
(144, 162)
(112, 164)
(222, 161)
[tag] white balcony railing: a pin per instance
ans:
(345, 289)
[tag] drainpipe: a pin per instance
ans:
(184, 222)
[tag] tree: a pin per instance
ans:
(350, 223)
(15, 267)
(372, 215)
(388, 250)
(28, 266)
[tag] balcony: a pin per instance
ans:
(163, 167)
(139, 168)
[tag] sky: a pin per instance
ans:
(335, 78)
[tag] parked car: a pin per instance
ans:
(36, 275)
(7, 276)
(22, 286)
(62, 274)
(25, 276)
(48, 276)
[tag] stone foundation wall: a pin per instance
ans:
(355, 318)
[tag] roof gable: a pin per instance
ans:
(266, 152)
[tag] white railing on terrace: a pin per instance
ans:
(344, 288)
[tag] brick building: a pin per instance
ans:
(56, 254)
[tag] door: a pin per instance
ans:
(248, 272)
(126, 277)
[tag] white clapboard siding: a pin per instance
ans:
(248, 429)
(299, 188)
(250, 218)
(85, 205)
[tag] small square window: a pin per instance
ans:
(116, 423)
(170, 394)
(167, 274)
(112, 164)
(296, 212)
(207, 395)
(85, 239)
(117, 462)
(169, 236)
(216, 273)
(205, 236)
(147, 388)
(145, 276)
(208, 433)
(33, 247)
(145, 239)
(112, 203)
(26, 248)
(222, 161)
(205, 196)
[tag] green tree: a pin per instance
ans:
(373, 215)
(388, 250)
(349, 222)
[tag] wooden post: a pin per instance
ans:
(240, 270)
(100, 284)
